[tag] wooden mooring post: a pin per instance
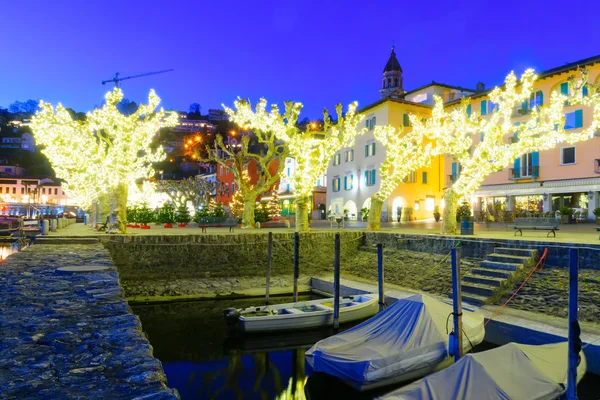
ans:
(269, 251)
(296, 261)
(380, 276)
(574, 339)
(457, 304)
(336, 282)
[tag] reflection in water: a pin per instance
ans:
(201, 362)
(6, 249)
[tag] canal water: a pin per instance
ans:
(6, 249)
(202, 362)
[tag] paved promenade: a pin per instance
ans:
(584, 233)
(71, 336)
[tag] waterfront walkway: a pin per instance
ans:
(584, 233)
(67, 336)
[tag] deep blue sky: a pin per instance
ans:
(318, 52)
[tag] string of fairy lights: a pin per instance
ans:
(109, 149)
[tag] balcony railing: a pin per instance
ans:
(530, 172)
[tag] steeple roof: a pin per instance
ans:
(392, 64)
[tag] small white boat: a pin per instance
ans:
(513, 371)
(301, 315)
(406, 341)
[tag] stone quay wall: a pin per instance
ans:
(71, 336)
(479, 248)
(170, 267)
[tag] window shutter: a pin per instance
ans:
(367, 124)
(372, 176)
(524, 105)
(481, 136)
(373, 122)
(584, 91)
(373, 150)
(516, 137)
(483, 107)
(454, 169)
(469, 111)
(366, 150)
(351, 181)
(535, 163)
(366, 178)
(424, 176)
(578, 118)
(345, 183)
(406, 120)
(517, 167)
(564, 88)
(541, 98)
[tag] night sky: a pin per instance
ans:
(318, 52)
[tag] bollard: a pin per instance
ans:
(51, 224)
(380, 276)
(296, 260)
(574, 329)
(45, 227)
(85, 217)
(269, 249)
(336, 282)
(457, 304)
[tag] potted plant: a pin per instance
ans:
(364, 213)
(166, 216)
(566, 214)
(346, 211)
(398, 213)
(407, 213)
(597, 214)
(201, 217)
(132, 217)
(436, 213)
(464, 217)
(145, 216)
(182, 216)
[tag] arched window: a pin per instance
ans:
(389, 82)
(396, 82)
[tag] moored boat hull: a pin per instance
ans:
(301, 315)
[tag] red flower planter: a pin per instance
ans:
(145, 226)
(182, 225)
(168, 225)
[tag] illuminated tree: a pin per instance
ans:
(196, 190)
(543, 130)
(236, 206)
(267, 153)
(405, 152)
(117, 149)
(312, 150)
(274, 205)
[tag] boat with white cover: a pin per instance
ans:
(301, 315)
(406, 341)
(513, 371)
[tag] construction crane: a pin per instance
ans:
(116, 79)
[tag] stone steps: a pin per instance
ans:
(500, 265)
(507, 258)
(490, 277)
(515, 252)
(474, 299)
(476, 288)
(484, 280)
(491, 272)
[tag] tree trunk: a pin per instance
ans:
(375, 214)
(302, 224)
(449, 220)
(103, 208)
(248, 214)
(122, 197)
